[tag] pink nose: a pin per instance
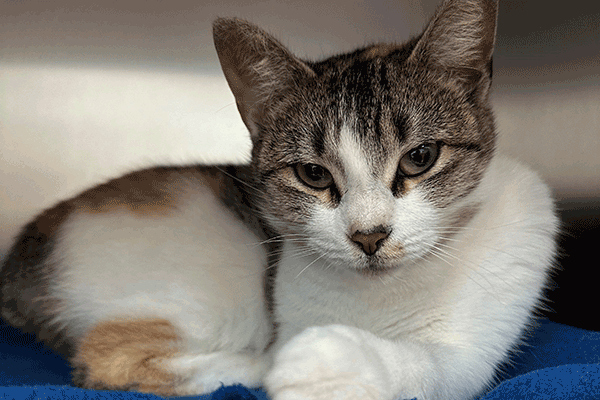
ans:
(372, 241)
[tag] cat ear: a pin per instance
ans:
(460, 38)
(257, 67)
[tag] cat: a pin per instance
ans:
(375, 247)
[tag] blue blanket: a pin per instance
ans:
(557, 362)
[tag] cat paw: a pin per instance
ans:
(331, 362)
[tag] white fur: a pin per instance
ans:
(199, 268)
(434, 329)
(361, 189)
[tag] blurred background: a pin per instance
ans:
(90, 91)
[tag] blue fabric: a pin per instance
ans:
(557, 362)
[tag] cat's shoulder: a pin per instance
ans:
(517, 189)
(510, 174)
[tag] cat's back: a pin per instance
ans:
(154, 243)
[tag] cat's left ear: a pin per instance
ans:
(460, 38)
(258, 68)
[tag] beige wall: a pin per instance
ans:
(90, 91)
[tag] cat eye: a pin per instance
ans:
(419, 159)
(314, 175)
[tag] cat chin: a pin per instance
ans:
(378, 271)
(369, 269)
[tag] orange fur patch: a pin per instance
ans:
(126, 354)
(147, 192)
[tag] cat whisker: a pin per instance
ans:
(224, 107)
(446, 256)
(329, 265)
(441, 256)
(498, 250)
(240, 180)
(467, 264)
(485, 228)
(297, 253)
(314, 261)
(282, 238)
(301, 248)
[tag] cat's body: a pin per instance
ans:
(121, 235)
(409, 256)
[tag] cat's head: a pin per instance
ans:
(368, 158)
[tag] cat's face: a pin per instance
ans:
(368, 159)
(366, 164)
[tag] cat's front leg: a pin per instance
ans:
(337, 362)
(329, 362)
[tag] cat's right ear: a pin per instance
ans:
(258, 68)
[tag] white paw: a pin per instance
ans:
(332, 362)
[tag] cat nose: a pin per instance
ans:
(372, 240)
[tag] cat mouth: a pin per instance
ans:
(377, 270)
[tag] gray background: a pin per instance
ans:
(92, 90)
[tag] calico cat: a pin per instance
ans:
(409, 257)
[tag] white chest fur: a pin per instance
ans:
(433, 329)
(481, 285)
